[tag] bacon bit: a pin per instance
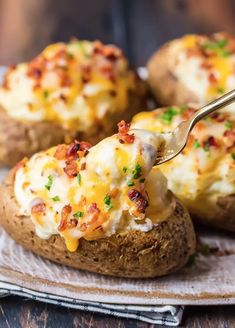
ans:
(85, 145)
(38, 209)
(86, 73)
(206, 65)
(93, 209)
(71, 168)
(124, 137)
(212, 78)
(73, 150)
(61, 152)
(113, 193)
(219, 117)
(123, 127)
(66, 210)
(212, 142)
(72, 223)
(83, 166)
(94, 212)
(63, 97)
(65, 81)
(136, 197)
(83, 227)
(230, 138)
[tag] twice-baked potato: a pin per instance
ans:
(103, 209)
(80, 89)
(203, 175)
(193, 69)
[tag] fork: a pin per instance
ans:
(178, 138)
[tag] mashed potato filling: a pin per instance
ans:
(75, 85)
(76, 191)
(205, 170)
(205, 65)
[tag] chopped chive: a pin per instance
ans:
(49, 182)
(56, 199)
(79, 178)
(167, 116)
(107, 201)
(220, 90)
(229, 125)
(233, 156)
(196, 144)
(124, 169)
(218, 47)
(137, 171)
(46, 94)
(130, 183)
(78, 214)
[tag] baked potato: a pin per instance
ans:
(193, 69)
(203, 175)
(76, 90)
(103, 209)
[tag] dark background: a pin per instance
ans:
(138, 26)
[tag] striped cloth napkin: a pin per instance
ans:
(160, 315)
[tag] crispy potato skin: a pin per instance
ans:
(134, 254)
(223, 215)
(19, 139)
(165, 86)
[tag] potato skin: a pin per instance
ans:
(223, 215)
(165, 86)
(19, 139)
(134, 254)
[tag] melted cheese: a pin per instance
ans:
(110, 170)
(69, 84)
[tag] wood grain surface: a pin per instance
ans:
(16, 312)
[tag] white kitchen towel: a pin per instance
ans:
(161, 315)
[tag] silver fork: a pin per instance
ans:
(179, 137)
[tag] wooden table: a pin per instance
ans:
(16, 312)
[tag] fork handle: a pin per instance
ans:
(218, 103)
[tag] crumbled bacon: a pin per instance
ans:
(83, 166)
(38, 209)
(72, 223)
(123, 127)
(73, 149)
(219, 117)
(140, 201)
(66, 210)
(85, 145)
(61, 152)
(94, 212)
(113, 193)
(71, 168)
(83, 227)
(123, 135)
(212, 78)
(93, 209)
(230, 138)
(212, 142)
(206, 65)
